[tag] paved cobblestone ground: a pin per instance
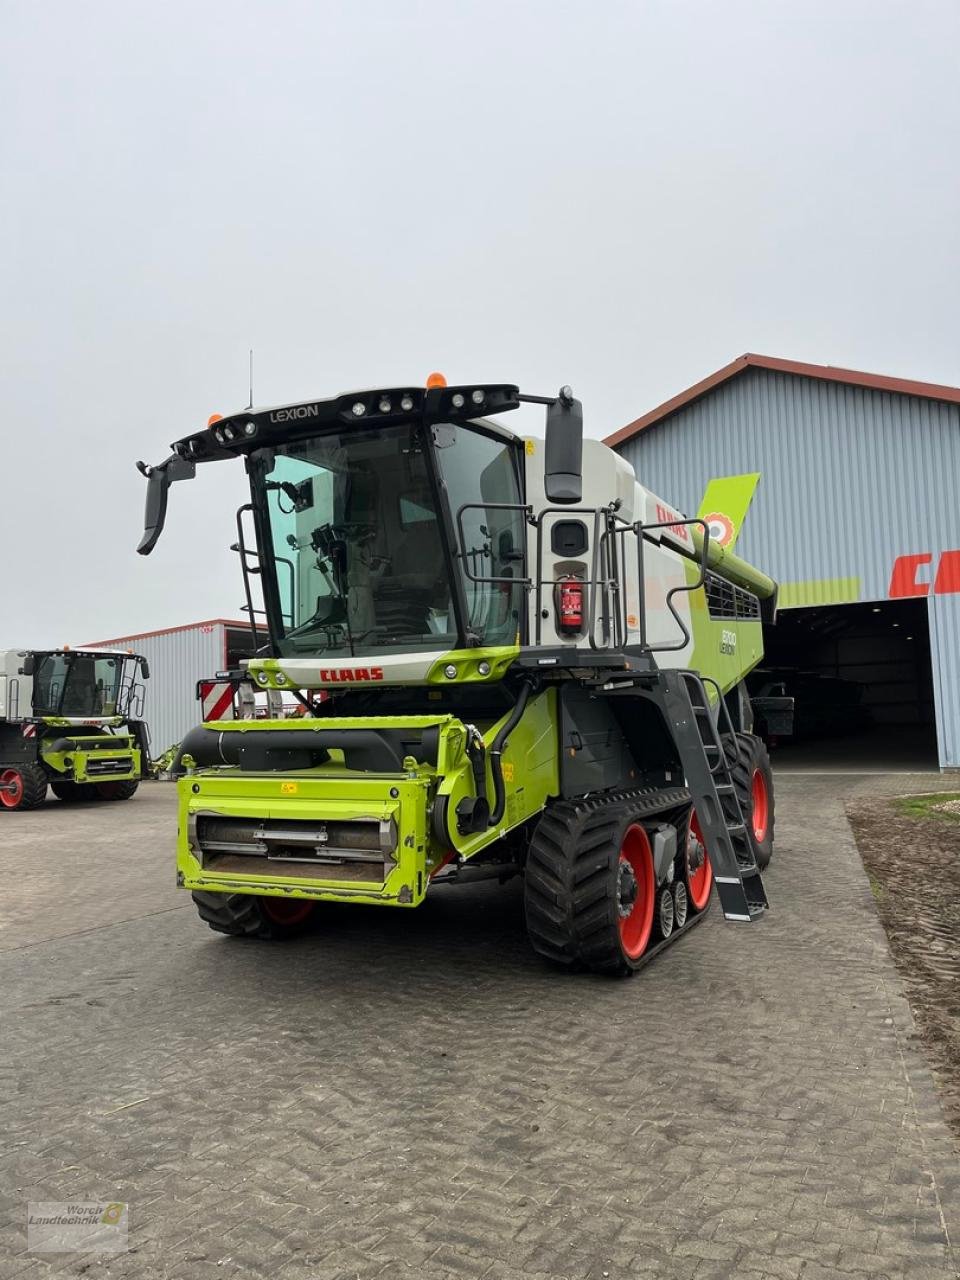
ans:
(413, 1094)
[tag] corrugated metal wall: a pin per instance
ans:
(851, 478)
(178, 659)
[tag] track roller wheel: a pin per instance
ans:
(589, 887)
(666, 913)
(244, 915)
(753, 779)
(681, 904)
(22, 786)
(124, 789)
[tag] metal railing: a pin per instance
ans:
(606, 603)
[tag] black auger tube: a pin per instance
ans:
(496, 751)
(203, 745)
(364, 749)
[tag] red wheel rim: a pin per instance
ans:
(11, 788)
(700, 879)
(636, 892)
(761, 805)
(284, 911)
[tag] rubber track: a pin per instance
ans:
(567, 888)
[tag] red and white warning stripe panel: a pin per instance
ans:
(29, 730)
(216, 700)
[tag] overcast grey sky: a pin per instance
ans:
(622, 196)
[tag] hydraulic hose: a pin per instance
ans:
(497, 750)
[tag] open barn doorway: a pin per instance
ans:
(862, 682)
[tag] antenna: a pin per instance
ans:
(250, 405)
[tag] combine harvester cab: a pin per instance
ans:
(71, 719)
(529, 665)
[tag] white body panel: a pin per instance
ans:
(16, 691)
(340, 672)
(607, 477)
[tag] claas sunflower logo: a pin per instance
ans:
(721, 527)
(112, 1214)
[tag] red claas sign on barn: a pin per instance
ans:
(910, 577)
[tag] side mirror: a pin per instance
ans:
(159, 479)
(563, 469)
(145, 668)
(29, 664)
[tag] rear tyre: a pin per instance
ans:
(590, 888)
(244, 915)
(753, 779)
(122, 790)
(22, 786)
(72, 792)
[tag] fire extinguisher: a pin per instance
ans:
(570, 606)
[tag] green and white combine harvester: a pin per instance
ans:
(534, 666)
(71, 719)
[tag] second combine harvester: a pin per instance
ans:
(535, 666)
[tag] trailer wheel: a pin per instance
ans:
(125, 789)
(72, 792)
(590, 888)
(244, 915)
(23, 786)
(753, 778)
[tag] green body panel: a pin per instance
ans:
(333, 792)
(467, 662)
(729, 496)
(724, 650)
(310, 796)
(73, 765)
(531, 773)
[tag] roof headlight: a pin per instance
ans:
(385, 406)
(477, 396)
(406, 404)
(250, 429)
(359, 409)
(457, 400)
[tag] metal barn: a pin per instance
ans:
(178, 658)
(856, 512)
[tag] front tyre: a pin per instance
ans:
(244, 915)
(22, 786)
